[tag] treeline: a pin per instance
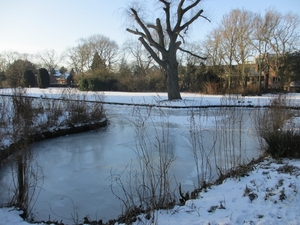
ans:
(137, 78)
(100, 77)
(242, 38)
(269, 40)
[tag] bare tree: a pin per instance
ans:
(105, 47)
(140, 56)
(260, 41)
(233, 37)
(227, 46)
(153, 36)
(284, 35)
(194, 47)
(7, 58)
(49, 59)
(3, 63)
(243, 34)
(274, 35)
(213, 50)
(81, 56)
(243, 20)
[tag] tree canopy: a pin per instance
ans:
(290, 66)
(16, 72)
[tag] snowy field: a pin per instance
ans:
(269, 195)
(160, 99)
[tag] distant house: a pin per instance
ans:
(259, 69)
(294, 86)
(59, 78)
(256, 71)
(268, 63)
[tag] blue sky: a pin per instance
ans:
(30, 26)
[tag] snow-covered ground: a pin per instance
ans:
(160, 99)
(268, 195)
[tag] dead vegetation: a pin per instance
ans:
(25, 120)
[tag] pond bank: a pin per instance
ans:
(40, 136)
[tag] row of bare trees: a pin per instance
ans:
(80, 58)
(243, 35)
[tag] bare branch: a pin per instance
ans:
(191, 20)
(186, 51)
(136, 32)
(191, 6)
(167, 12)
(152, 53)
(139, 21)
(147, 35)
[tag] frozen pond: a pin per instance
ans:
(77, 168)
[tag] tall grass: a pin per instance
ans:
(26, 177)
(22, 118)
(217, 140)
(221, 146)
(279, 132)
(149, 186)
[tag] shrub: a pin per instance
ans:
(210, 88)
(250, 90)
(283, 144)
(277, 140)
(83, 84)
(94, 84)
(29, 78)
(43, 78)
(98, 84)
(16, 71)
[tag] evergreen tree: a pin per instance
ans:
(290, 67)
(124, 68)
(16, 71)
(29, 78)
(71, 77)
(62, 70)
(98, 65)
(43, 78)
(83, 84)
(2, 78)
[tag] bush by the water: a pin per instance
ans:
(283, 144)
(279, 140)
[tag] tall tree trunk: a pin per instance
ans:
(229, 81)
(266, 79)
(244, 76)
(259, 84)
(172, 80)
